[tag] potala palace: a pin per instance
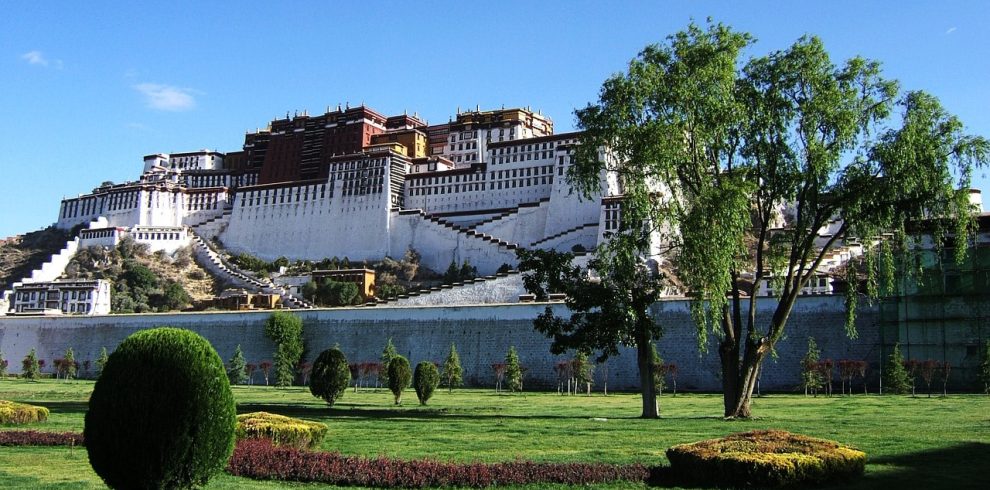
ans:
(355, 183)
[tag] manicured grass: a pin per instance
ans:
(910, 442)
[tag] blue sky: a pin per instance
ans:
(88, 88)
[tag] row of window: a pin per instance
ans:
(64, 295)
(283, 195)
(156, 236)
(470, 187)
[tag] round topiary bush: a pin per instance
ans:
(399, 375)
(765, 458)
(21, 413)
(162, 414)
(281, 430)
(425, 380)
(330, 376)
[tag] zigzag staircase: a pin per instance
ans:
(565, 232)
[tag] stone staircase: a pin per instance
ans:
(212, 227)
(216, 264)
(466, 231)
(510, 212)
(565, 232)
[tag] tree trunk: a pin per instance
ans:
(644, 358)
(748, 372)
(729, 355)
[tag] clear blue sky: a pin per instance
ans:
(88, 88)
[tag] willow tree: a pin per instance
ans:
(748, 163)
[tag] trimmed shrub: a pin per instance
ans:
(260, 460)
(895, 377)
(162, 414)
(39, 438)
(425, 380)
(399, 376)
(280, 430)
(452, 371)
(330, 376)
(765, 458)
(21, 413)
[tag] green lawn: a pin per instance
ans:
(911, 442)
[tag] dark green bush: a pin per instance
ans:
(399, 375)
(425, 380)
(330, 376)
(162, 414)
(764, 458)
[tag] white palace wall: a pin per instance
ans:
(482, 334)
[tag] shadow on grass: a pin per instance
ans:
(959, 466)
(79, 407)
(311, 411)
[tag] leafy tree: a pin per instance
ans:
(425, 380)
(337, 293)
(3, 366)
(173, 297)
(265, 367)
(513, 370)
(983, 372)
(30, 366)
(388, 352)
(607, 311)
(285, 330)
(895, 376)
(399, 375)
(101, 361)
(237, 367)
(452, 371)
(730, 143)
(345, 264)
(69, 363)
(309, 291)
(410, 264)
(453, 274)
(659, 373)
(584, 371)
(330, 376)
(811, 377)
(467, 271)
(138, 276)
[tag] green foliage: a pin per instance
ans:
(811, 376)
(173, 297)
(549, 271)
(387, 354)
(983, 372)
(162, 414)
(101, 361)
(29, 366)
(513, 370)
(330, 376)
(467, 271)
(895, 377)
(659, 379)
(425, 381)
(3, 366)
(70, 363)
(452, 371)
(765, 458)
(399, 375)
(285, 330)
(281, 430)
(453, 274)
(237, 367)
(730, 141)
(12, 413)
(389, 290)
(337, 293)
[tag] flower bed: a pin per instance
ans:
(259, 459)
(765, 458)
(37, 438)
(281, 430)
(21, 413)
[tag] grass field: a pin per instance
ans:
(911, 442)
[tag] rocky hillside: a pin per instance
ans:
(21, 254)
(144, 281)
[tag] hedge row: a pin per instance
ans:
(38, 438)
(259, 459)
(765, 458)
(21, 413)
(281, 430)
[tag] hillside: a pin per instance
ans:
(21, 254)
(144, 281)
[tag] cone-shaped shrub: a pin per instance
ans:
(425, 380)
(399, 376)
(330, 376)
(162, 414)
